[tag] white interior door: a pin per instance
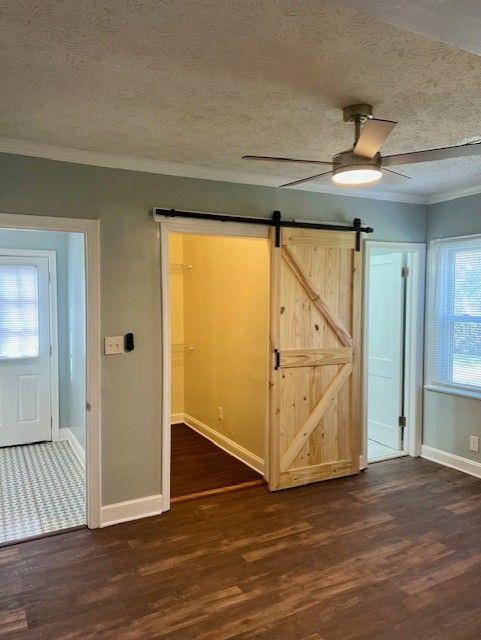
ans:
(25, 404)
(385, 348)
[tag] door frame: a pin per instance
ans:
(414, 363)
(90, 229)
(195, 227)
(53, 326)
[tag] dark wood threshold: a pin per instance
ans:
(49, 534)
(213, 492)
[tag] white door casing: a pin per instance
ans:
(385, 335)
(25, 350)
(90, 229)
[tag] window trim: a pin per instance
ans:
(430, 383)
(462, 392)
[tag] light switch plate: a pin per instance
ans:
(113, 345)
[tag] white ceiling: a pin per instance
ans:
(188, 87)
(455, 22)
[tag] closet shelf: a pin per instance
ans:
(180, 267)
(180, 346)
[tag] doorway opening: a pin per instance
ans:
(219, 292)
(312, 343)
(393, 348)
(43, 422)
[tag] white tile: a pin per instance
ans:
(2, 519)
(42, 489)
(377, 451)
(20, 514)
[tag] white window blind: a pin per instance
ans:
(18, 311)
(455, 339)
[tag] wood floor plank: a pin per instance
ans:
(392, 553)
(11, 621)
(448, 572)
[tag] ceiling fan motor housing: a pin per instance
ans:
(347, 159)
(359, 112)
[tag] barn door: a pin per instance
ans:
(315, 334)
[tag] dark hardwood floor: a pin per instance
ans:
(392, 554)
(197, 465)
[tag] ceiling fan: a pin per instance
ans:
(364, 163)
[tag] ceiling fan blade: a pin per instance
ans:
(373, 134)
(429, 155)
(393, 177)
(274, 159)
(301, 180)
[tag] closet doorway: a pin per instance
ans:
(219, 292)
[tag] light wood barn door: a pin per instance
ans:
(315, 425)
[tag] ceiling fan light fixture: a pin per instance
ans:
(357, 174)
(363, 163)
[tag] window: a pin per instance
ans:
(454, 334)
(18, 311)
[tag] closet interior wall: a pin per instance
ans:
(219, 316)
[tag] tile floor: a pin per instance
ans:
(42, 489)
(377, 451)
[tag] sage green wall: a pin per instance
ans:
(449, 420)
(130, 287)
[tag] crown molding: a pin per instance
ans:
(129, 163)
(135, 163)
(348, 192)
(453, 195)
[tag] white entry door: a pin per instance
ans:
(385, 348)
(25, 403)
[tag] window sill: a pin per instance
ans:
(453, 391)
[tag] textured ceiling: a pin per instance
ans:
(453, 21)
(202, 83)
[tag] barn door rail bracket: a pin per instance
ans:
(276, 221)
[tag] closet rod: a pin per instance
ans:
(276, 222)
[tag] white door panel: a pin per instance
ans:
(25, 404)
(385, 348)
(28, 400)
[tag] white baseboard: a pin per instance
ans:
(130, 510)
(65, 433)
(447, 459)
(244, 455)
(176, 417)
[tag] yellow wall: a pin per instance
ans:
(225, 302)
(177, 322)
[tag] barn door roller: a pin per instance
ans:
(276, 222)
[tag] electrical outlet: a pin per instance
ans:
(474, 444)
(220, 413)
(113, 345)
